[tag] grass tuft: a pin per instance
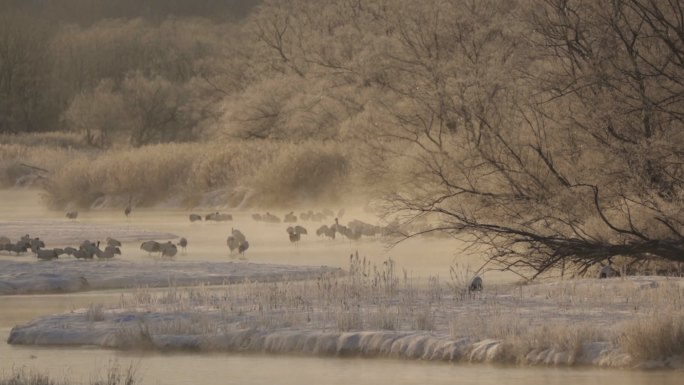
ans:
(653, 337)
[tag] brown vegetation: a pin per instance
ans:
(549, 130)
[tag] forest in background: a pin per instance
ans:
(548, 130)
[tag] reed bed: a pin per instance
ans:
(115, 374)
(264, 173)
(640, 316)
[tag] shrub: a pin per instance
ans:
(656, 337)
(311, 171)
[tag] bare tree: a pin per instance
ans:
(558, 143)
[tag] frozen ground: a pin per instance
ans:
(567, 323)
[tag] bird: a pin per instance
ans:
(72, 214)
(294, 235)
(70, 250)
(301, 230)
(36, 243)
(195, 217)
(218, 217)
(19, 248)
(322, 230)
(183, 243)
(46, 255)
(168, 249)
(238, 235)
(337, 227)
(127, 210)
(244, 245)
(290, 217)
(475, 284)
(109, 252)
(113, 242)
(608, 271)
(327, 231)
(233, 243)
(89, 249)
(257, 217)
(150, 246)
(354, 234)
(81, 254)
(270, 218)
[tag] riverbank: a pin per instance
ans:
(637, 322)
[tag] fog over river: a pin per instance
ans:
(269, 245)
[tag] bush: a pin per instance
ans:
(653, 338)
(27, 165)
(307, 172)
(279, 174)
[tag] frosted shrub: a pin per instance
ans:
(657, 336)
(306, 172)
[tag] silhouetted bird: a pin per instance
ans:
(327, 231)
(113, 242)
(183, 243)
(608, 271)
(295, 236)
(270, 218)
(244, 245)
(233, 243)
(475, 284)
(127, 210)
(70, 250)
(168, 249)
(238, 235)
(151, 246)
(290, 217)
(109, 252)
(47, 255)
(72, 214)
(195, 217)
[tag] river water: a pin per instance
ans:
(269, 243)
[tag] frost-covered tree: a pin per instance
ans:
(554, 143)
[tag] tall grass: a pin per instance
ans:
(20, 165)
(115, 375)
(266, 172)
(655, 337)
(562, 322)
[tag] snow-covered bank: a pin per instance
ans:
(634, 322)
(72, 275)
(129, 329)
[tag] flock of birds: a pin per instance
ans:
(86, 250)
(237, 242)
